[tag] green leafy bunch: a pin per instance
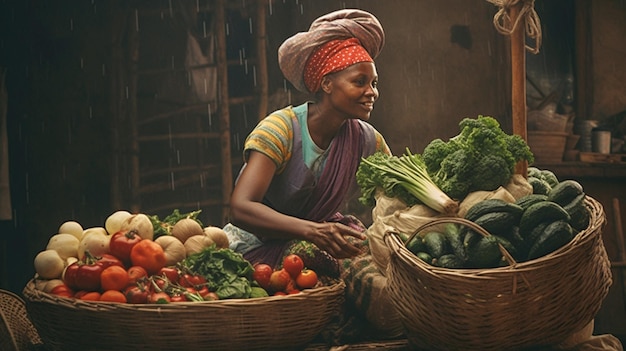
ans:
(481, 157)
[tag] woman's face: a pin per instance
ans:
(353, 90)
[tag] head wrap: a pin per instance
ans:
(294, 53)
(334, 56)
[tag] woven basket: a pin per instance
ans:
(533, 303)
(267, 323)
(16, 330)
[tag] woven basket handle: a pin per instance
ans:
(458, 220)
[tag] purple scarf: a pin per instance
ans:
(339, 172)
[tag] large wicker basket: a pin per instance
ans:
(533, 303)
(267, 323)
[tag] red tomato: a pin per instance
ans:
(136, 273)
(191, 280)
(293, 264)
(91, 296)
(108, 260)
(279, 280)
(211, 296)
(159, 297)
(178, 298)
(307, 279)
(114, 278)
(62, 290)
(203, 291)
(280, 293)
(113, 296)
(122, 243)
(88, 276)
(149, 255)
(136, 294)
(171, 273)
(69, 275)
(262, 273)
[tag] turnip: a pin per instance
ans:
(197, 243)
(65, 244)
(113, 223)
(72, 227)
(96, 241)
(49, 265)
(141, 223)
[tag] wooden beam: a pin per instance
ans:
(518, 79)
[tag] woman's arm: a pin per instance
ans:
(249, 213)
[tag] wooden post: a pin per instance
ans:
(518, 80)
(261, 54)
(224, 109)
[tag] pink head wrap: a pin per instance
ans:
(294, 53)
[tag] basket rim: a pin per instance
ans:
(32, 294)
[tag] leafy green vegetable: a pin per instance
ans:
(227, 272)
(164, 227)
(481, 157)
(404, 177)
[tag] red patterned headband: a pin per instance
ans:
(334, 56)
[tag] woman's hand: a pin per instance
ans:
(333, 238)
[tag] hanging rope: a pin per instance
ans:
(502, 20)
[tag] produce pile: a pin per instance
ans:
(472, 176)
(138, 258)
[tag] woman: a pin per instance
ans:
(301, 161)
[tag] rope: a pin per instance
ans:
(502, 20)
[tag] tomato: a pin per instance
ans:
(122, 243)
(159, 297)
(107, 260)
(262, 273)
(171, 273)
(69, 275)
(62, 290)
(114, 278)
(91, 296)
(307, 279)
(136, 274)
(113, 296)
(279, 293)
(293, 264)
(211, 296)
(191, 280)
(136, 294)
(279, 280)
(88, 276)
(178, 298)
(293, 292)
(149, 255)
(203, 291)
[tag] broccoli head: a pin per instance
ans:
(481, 157)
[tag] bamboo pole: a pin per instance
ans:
(518, 80)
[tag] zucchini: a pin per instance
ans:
(436, 244)
(549, 177)
(498, 222)
(541, 212)
(525, 201)
(449, 261)
(531, 236)
(509, 247)
(555, 235)
(485, 253)
(415, 245)
(565, 192)
(454, 235)
(425, 256)
(539, 185)
(492, 205)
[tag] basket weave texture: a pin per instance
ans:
(16, 330)
(532, 303)
(266, 323)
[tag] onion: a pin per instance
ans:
(197, 243)
(141, 223)
(186, 228)
(49, 265)
(72, 227)
(96, 241)
(218, 235)
(114, 222)
(174, 249)
(65, 244)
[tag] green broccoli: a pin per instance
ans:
(481, 157)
